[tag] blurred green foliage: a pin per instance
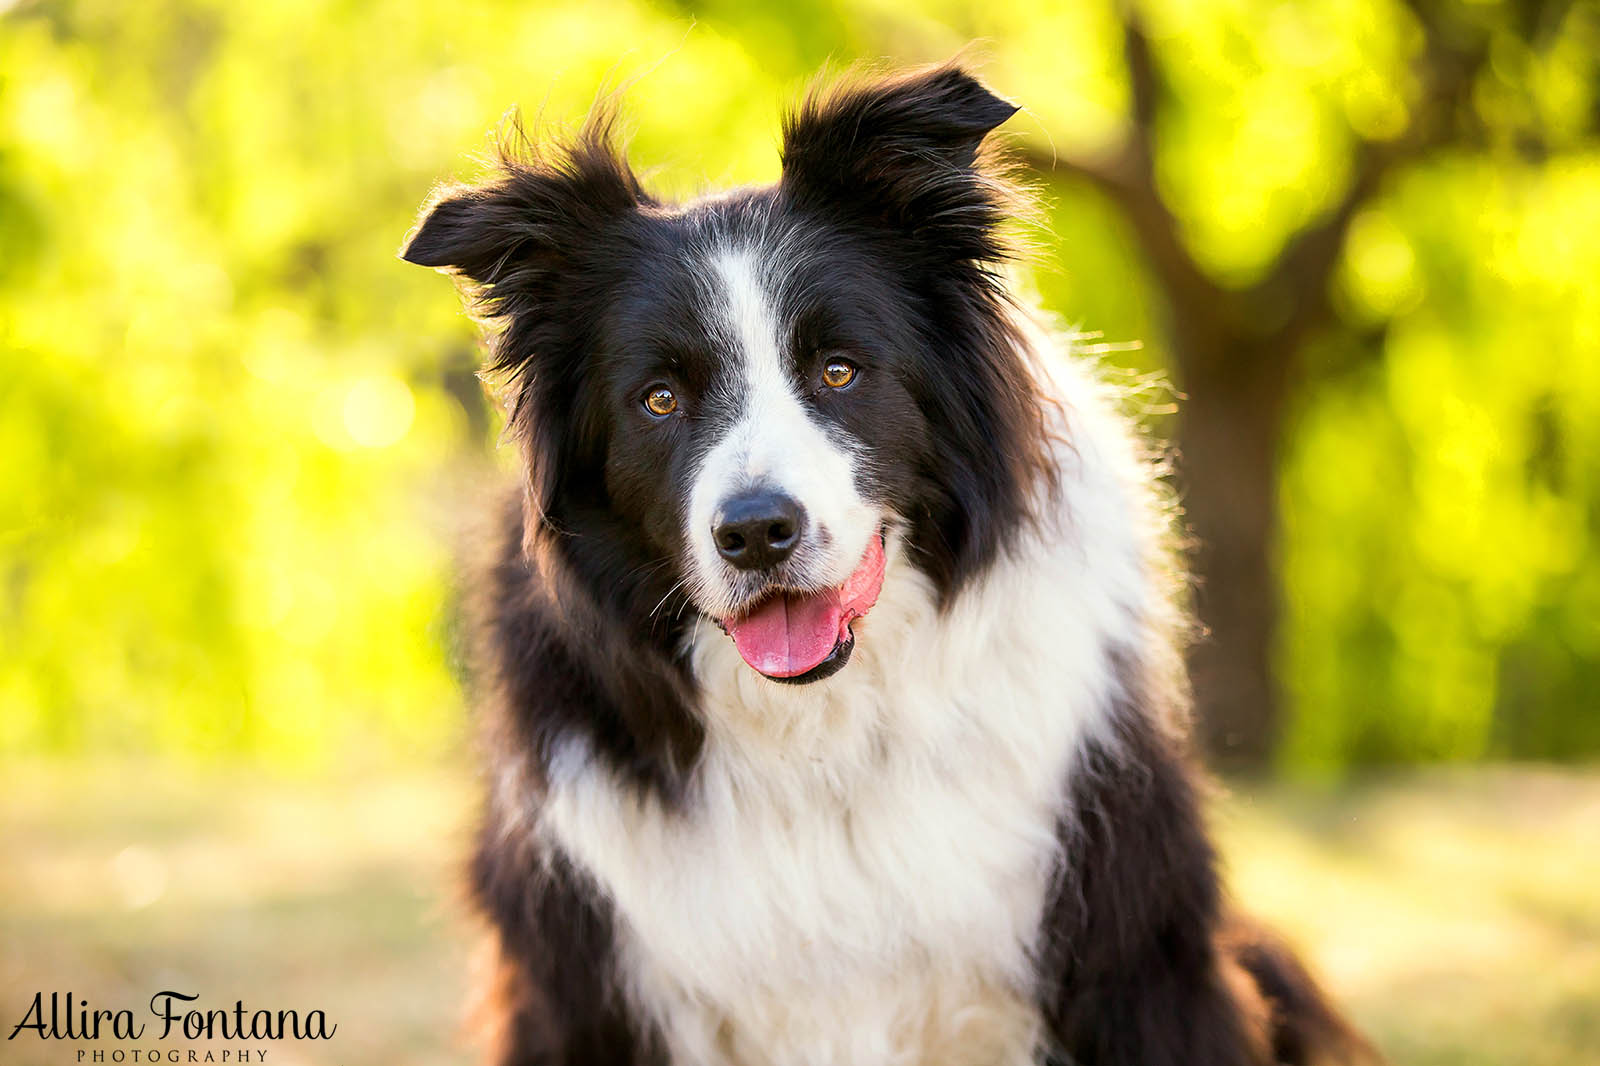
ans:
(237, 436)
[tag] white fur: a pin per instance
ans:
(774, 441)
(858, 872)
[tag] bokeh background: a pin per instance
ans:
(241, 443)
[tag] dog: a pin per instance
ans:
(831, 653)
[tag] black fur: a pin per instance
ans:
(590, 286)
(555, 995)
(1130, 937)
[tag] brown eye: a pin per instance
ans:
(838, 373)
(661, 402)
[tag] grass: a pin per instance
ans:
(1456, 914)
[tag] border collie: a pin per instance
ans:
(830, 655)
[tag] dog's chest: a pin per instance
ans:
(887, 919)
(859, 870)
(858, 878)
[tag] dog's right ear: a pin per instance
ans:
(526, 238)
(527, 219)
(466, 231)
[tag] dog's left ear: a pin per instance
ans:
(905, 150)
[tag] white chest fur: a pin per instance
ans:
(859, 871)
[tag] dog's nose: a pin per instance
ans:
(759, 529)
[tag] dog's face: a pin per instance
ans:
(730, 405)
(765, 430)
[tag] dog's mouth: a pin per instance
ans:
(798, 637)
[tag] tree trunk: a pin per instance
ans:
(1234, 350)
(1229, 429)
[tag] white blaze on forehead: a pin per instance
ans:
(773, 438)
(765, 391)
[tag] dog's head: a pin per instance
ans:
(729, 407)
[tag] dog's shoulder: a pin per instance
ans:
(551, 675)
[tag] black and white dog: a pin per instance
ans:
(830, 655)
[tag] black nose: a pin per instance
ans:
(757, 530)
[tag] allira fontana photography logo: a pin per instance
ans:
(173, 1016)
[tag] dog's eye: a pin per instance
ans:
(838, 373)
(660, 401)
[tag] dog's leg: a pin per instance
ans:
(1131, 972)
(1139, 967)
(551, 999)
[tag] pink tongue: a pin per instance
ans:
(791, 633)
